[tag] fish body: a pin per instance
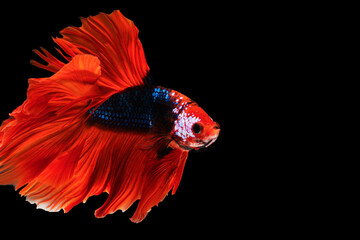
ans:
(148, 109)
(136, 108)
(98, 124)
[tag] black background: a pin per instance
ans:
(217, 54)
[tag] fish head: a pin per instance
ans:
(194, 129)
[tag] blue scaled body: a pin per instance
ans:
(135, 108)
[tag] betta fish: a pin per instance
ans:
(99, 124)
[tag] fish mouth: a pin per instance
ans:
(202, 145)
(208, 143)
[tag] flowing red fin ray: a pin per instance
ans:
(67, 47)
(61, 169)
(33, 153)
(110, 37)
(84, 41)
(158, 180)
(53, 65)
(125, 183)
(82, 68)
(102, 27)
(133, 45)
(95, 173)
(179, 171)
(81, 185)
(67, 58)
(25, 148)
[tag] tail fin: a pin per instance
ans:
(38, 132)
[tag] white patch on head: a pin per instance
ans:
(183, 125)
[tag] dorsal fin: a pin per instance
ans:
(114, 40)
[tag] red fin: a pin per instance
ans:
(75, 84)
(61, 169)
(95, 172)
(179, 171)
(31, 138)
(114, 40)
(82, 68)
(53, 65)
(160, 176)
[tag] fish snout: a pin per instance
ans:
(215, 131)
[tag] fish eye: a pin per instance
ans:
(196, 128)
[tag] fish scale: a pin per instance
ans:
(137, 108)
